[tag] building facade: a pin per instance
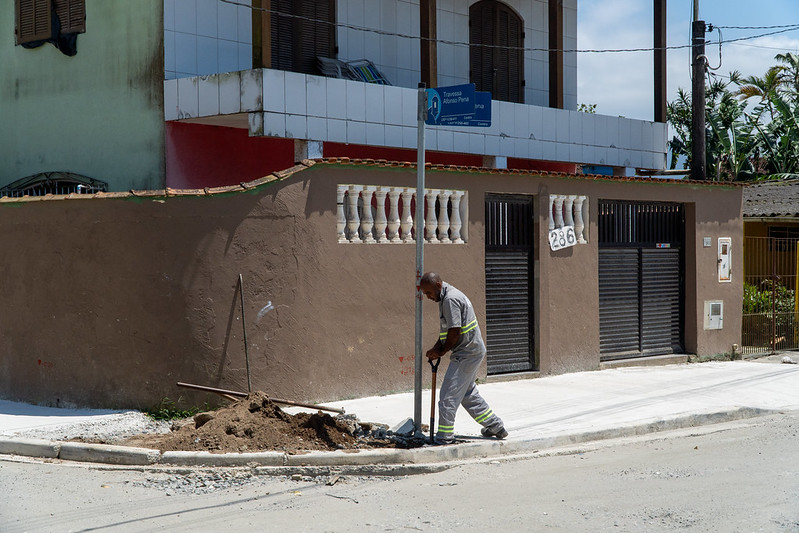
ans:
(197, 93)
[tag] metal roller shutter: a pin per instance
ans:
(618, 301)
(508, 311)
(661, 296)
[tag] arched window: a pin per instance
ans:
(496, 57)
(302, 31)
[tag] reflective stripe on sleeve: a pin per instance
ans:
(469, 327)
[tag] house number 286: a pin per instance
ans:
(562, 238)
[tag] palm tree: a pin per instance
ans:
(763, 87)
(790, 70)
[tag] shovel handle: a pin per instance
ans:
(434, 367)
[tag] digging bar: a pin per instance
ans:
(235, 394)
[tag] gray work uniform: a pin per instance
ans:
(458, 386)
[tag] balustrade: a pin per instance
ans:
(359, 221)
(569, 210)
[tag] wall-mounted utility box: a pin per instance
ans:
(714, 314)
(724, 260)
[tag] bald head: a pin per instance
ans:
(431, 284)
(430, 278)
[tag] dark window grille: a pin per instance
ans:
(53, 183)
(509, 222)
(638, 224)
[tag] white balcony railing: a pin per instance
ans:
(374, 214)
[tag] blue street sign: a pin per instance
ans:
(482, 113)
(446, 104)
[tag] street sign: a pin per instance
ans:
(482, 113)
(448, 104)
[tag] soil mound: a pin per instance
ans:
(255, 424)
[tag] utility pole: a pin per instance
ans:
(698, 61)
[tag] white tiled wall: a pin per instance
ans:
(204, 37)
(398, 57)
(315, 108)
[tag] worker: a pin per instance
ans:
(460, 334)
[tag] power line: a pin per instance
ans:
(756, 27)
(782, 29)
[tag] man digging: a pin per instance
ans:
(460, 334)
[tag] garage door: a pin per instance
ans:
(640, 279)
(509, 253)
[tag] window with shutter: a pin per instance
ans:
(34, 19)
(496, 57)
(72, 15)
(301, 31)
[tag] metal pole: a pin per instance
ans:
(773, 244)
(698, 170)
(421, 115)
(244, 328)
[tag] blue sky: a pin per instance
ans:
(622, 84)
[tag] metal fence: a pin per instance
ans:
(771, 302)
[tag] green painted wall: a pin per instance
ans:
(98, 113)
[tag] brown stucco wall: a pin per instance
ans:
(110, 301)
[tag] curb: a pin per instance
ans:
(369, 462)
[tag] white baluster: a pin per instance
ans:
(341, 222)
(569, 206)
(407, 216)
(353, 220)
(393, 214)
(367, 222)
(380, 214)
(551, 212)
(430, 223)
(443, 218)
(456, 224)
(559, 210)
(579, 225)
(585, 218)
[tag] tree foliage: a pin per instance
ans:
(751, 124)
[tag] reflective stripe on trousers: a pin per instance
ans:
(458, 388)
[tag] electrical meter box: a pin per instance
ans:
(714, 314)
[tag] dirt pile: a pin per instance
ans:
(256, 424)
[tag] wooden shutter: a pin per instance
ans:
(72, 15)
(314, 35)
(481, 32)
(496, 58)
(282, 35)
(509, 57)
(298, 39)
(33, 20)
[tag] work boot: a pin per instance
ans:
(500, 433)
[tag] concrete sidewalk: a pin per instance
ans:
(539, 413)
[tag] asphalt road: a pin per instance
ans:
(735, 477)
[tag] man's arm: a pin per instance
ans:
(437, 351)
